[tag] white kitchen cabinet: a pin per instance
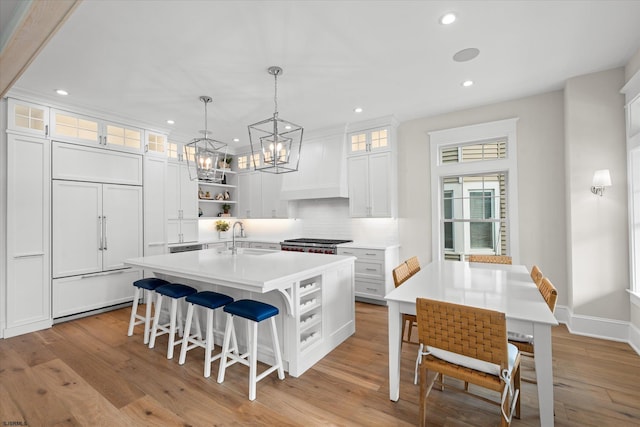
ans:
(373, 271)
(95, 227)
(259, 196)
(155, 144)
(371, 185)
(273, 206)
(77, 128)
(78, 294)
(80, 163)
(181, 204)
(28, 286)
(155, 218)
(250, 195)
(28, 118)
(265, 245)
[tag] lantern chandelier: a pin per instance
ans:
(275, 141)
(205, 154)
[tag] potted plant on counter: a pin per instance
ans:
(222, 227)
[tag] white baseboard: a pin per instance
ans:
(598, 327)
(634, 338)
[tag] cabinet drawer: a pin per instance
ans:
(80, 163)
(363, 254)
(72, 295)
(365, 288)
(366, 268)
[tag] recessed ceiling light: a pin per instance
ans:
(466, 54)
(62, 92)
(357, 110)
(171, 122)
(448, 18)
(287, 127)
(467, 83)
(236, 139)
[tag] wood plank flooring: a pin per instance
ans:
(87, 372)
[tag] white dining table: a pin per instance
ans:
(505, 288)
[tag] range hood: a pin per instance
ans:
(323, 168)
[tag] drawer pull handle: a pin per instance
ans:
(370, 269)
(368, 254)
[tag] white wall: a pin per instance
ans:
(540, 133)
(3, 212)
(597, 227)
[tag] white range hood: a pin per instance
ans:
(323, 167)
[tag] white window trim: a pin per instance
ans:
(632, 97)
(468, 134)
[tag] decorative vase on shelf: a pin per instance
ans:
(222, 235)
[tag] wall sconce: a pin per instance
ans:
(601, 179)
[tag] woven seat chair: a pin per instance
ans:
(413, 264)
(525, 342)
(469, 344)
(400, 275)
(491, 259)
(536, 275)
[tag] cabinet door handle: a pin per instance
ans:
(104, 273)
(29, 255)
(46, 130)
(105, 232)
(101, 231)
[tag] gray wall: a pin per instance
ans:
(541, 182)
(598, 233)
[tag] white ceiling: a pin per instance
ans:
(149, 61)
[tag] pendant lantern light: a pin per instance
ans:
(275, 141)
(205, 154)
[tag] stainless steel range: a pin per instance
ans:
(317, 246)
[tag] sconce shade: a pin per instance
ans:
(601, 179)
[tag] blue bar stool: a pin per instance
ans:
(209, 300)
(146, 288)
(176, 292)
(255, 312)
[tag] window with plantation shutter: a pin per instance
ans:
(474, 182)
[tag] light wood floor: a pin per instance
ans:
(88, 372)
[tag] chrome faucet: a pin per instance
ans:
(234, 249)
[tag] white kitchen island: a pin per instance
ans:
(314, 293)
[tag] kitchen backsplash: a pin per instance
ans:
(322, 218)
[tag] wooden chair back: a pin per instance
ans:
(490, 259)
(549, 293)
(536, 275)
(413, 264)
(401, 274)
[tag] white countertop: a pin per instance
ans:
(256, 270)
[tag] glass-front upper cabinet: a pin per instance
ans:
(155, 144)
(247, 162)
(72, 127)
(369, 140)
(26, 117)
(179, 152)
